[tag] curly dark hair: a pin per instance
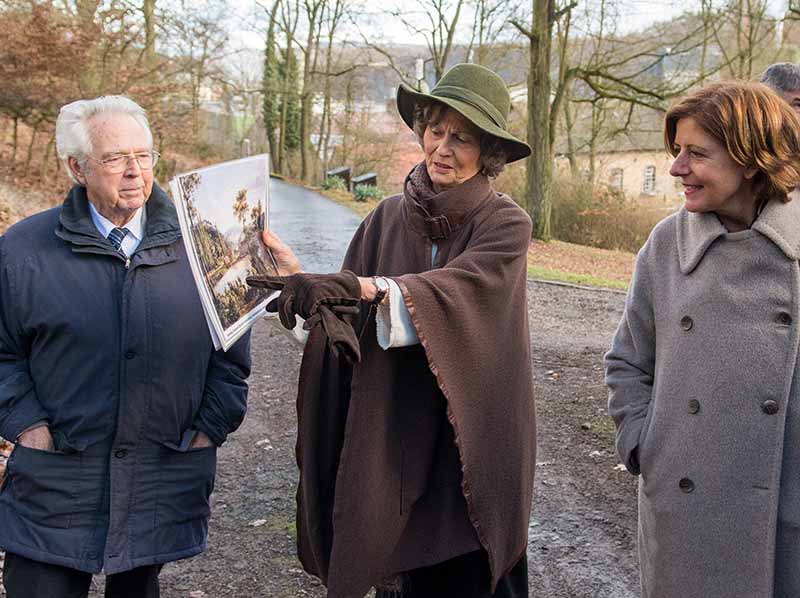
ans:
(493, 153)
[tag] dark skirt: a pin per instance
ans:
(465, 576)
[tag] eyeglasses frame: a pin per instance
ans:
(130, 156)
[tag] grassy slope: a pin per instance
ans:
(579, 264)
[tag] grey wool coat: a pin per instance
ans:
(703, 391)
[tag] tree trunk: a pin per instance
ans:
(86, 9)
(539, 173)
(348, 121)
(288, 89)
(14, 141)
(148, 13)
(269, 88)
(32, 142)
(326, 120)
(312, 13)
(58, 161)
(46, 156)
(574, 171)
(284, 107)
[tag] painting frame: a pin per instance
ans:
(222, 209)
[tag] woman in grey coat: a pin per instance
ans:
(701, 371)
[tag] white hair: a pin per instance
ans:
(72, 125)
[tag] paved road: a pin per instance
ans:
(316, 228)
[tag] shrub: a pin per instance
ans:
(367, 193)
(512, 182)
(334, 183)
(600, 216)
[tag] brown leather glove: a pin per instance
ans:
(302, 294)
(337, 323)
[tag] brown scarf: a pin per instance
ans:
(419, 454)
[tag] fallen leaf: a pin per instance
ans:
(257, 522)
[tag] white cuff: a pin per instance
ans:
(298, 333)
(393, 322)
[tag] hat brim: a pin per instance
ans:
(408, 98)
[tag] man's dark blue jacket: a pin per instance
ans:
(118, 359)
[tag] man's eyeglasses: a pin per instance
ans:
(119, 162)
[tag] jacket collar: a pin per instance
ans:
(437, 215)
(75, 222)
(778, 221)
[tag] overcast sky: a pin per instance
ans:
(248, 22)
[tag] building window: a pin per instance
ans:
(616, 178)
(649, 183)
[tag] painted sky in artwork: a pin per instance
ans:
(214, 197)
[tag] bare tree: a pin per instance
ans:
(334, 11)
(201, 40)
(290, 16)
(746, 21)
(313, 12)
(491, 20)
(149, 16)
(436, 22)
(270, 85)
(541, 113)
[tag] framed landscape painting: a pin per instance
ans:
(222, 210)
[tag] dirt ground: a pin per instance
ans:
(583, 528)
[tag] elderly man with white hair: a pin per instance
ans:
(110, 386)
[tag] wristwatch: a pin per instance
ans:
(383, 289)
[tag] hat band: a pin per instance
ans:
(473, 99)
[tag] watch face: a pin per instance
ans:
(382, 284)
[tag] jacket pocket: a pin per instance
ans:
(186, 481)
(45, 485)
(645, 439)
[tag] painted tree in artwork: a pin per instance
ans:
(240, 206)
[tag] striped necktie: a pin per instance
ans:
(116, 236)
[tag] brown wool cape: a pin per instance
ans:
(418, 454)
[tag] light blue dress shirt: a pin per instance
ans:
(135, 228)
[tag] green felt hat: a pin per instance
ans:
(475, 92)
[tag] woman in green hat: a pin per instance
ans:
(416, 433)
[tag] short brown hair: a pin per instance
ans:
(759, 129)
(493, 153)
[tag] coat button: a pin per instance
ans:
(120, 453)
(770, 407)
(783, 319)
(686, 485)
(130, 355)
(694, 406)
(686, 323)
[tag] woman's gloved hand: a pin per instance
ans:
(302, 294)
(327, 299)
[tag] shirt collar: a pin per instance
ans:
(135, 225)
